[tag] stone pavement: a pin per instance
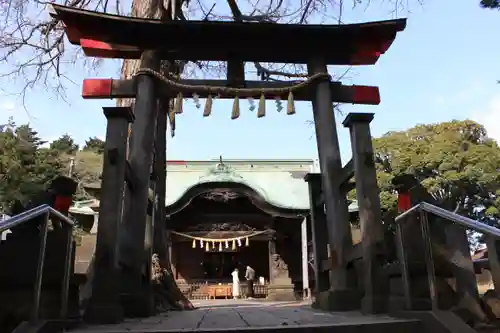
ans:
(213, 315)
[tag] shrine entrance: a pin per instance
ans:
(217, 227)
(220, 265)
(136, 153)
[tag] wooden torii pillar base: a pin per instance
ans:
(340, 296)
(375, 283)
(136, 292)
(104, 306)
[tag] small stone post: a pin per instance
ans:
(104, 305)
(375, 285)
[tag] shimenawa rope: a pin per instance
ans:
(231, 90)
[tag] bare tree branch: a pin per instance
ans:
(34, 49)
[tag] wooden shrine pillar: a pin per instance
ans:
(160, 177)
(137, 298)
(340, 297)
(305, 259)
(104, 305)
(375, 284)
(280, 284)
(319, 234)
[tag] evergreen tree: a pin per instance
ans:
(94, 144)
(25, 167)
(455, 161)
(490, 4)
(65, 144)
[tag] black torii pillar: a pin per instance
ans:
(340, 296)
(136, 293)
(104, 305)
(375, 283)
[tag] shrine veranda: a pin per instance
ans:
(121, 237)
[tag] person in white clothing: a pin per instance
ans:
(236, 283)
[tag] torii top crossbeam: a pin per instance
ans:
(112, 36)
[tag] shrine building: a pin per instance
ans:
(226, 214)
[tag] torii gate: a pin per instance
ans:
(111, 36)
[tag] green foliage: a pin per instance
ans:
(94, 144)
(65, 144)
(490, 4)
(88, 169)
(25, 166)
(455, 161)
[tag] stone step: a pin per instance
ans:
(69, 326)
(253, 315)
(408, 326)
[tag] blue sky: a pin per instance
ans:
(441, 67)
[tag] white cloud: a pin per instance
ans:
(490, 118)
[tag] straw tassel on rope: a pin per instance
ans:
(171, 118)
(208, 106)
(290, 108)
(236, 108)
(178, 103)
(261, 112)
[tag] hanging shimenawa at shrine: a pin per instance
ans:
(212, 244)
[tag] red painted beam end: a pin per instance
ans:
(176, 162)
(95, 44)
(404, 202)
(99, 49)
(366, 95)
(97, 88)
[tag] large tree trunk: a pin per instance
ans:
(167, 294)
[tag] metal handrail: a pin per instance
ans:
(423, 208)
(30, 214)
(453, 217)
(27, 216)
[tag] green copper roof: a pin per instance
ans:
(279, 182)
